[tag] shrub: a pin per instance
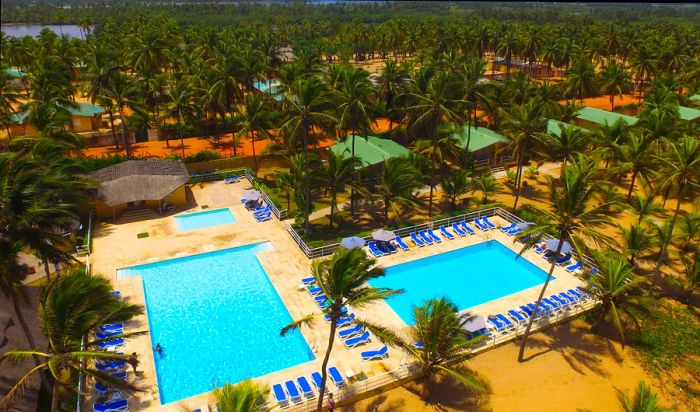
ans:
(203, 156)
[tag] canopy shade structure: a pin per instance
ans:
(136, 180)
(82, 109)
(371, 150)
(553, 243)
(555, 127)
(688, 113)
(251, 195)
(481, 138)
(383, 235)
(352, 242)
(601, 117)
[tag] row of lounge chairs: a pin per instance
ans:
(295, 391)
(261, 213)
(549, 306)
(563, 260)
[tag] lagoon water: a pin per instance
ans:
(21, 30)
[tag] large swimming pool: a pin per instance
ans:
(218, 318)
(468, 277)
(198, 220)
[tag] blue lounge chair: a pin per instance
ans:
(517, 316)
(305, 387)
(416, 239)
(466, 227)
(594, 271)
(317, 378)
(349, 333)
(433, 236)
(496, 325)
(119, 375)
(107, 366)
(102, 335)
(549, 254)
(583, 292)
(118, 405)
(315, 291)
(505, 320)
(320, 298)
(110, 329)
(550, 305)
(232, 179)
(357, 341)
(427, 239)
(309, 280)
(401, 243)
(322, 304)
(388, 247)
(563, 303)
(563, 260)
(336, 377)
(487, 222)
(576, 294)
(293, 391)
(540, 248)
(117, 293)
(280, 395)
(514, 232)
(506, 229)
(382, 248)
(346, 321)
(259, 212)
(445, 233)
(101, 389)
(480, 225)
(343, 310)
(458, 231)
(526, 310)
(375, 354)
(419, 345)
(541, 310)
(112, 344)
(573, 300)
(576, 266)
(374, 250)
(264, 217)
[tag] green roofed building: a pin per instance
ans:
(688, 113)
(15, 73)
(85, 117)
(482, 142)
(695, 98)
(371, 150)
(590, 117)
(555, 127)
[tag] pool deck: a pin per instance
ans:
(116, 246)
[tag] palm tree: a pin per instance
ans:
(150, 53)
(618, 289)
(343, 279)
(644, 206)
(285, 182)
(71, 307)
(572, 218)
(679, 167)
(524, 123)
(338, 172)
(391, 84)
(304, 168)
(643, 62)
(581, 80)
(439, 326)
(472, 71)
(396, 185)
(181, 105)
(455, 185)
(487, 184)
(508, 44)
(122, 91)
(635, 157)
(614, 80)
(9, 99)
(691, 280)
(637, 242)
(245, 396)
(564, 146)
(254, 121)
(644, 400)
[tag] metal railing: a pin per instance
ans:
(281, 214)
(87, 249)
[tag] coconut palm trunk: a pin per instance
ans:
(531, 320)
(125, 132)
(324, 365)
(664, 249)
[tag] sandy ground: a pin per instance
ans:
(566, 368)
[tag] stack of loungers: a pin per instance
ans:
(110, 340)
(262, 213)
(295, 391)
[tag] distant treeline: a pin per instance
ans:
(200, 12)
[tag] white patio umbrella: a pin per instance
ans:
(524, 225)
(383, 235)
(553, 243)
(475, 324)
(251, 195)
(352, 242)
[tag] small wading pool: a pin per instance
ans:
(468, 277)
(208, 218)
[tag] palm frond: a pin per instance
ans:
(305, 321)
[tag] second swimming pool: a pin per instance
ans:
(218, 318)
(207, 218)
(468, 277)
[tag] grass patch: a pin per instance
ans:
(669, 338)
(205, 206)
(142, 235)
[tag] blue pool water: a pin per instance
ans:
(207, 218)
(218, 319)
(468, 277)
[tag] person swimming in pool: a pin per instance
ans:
(159, 349)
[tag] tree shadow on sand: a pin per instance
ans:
(582, 350)
(448, 394)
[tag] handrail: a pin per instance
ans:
(88, 269)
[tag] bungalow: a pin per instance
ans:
(371, 150)
(592, 118)
(484, 144)
(688, 113)
(555, 127)
(85, 117)
(139, 184)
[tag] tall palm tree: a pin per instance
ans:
(637, 242)
(182, 105)
(304, 168)
(150, 52)
(524, 124)
(644, 400)
(71, 307)
(635, 157)
(508, 44)
(564, 146)
(472, 72)
(455, 185)
(679, 167)
(337, 173)
(254, 121)
(572, 217)
(487, 184)
(343, 279)
(122, 91)
(244, 396)
(392, 83)
(396, 184)
(439, 326)
(642, 207)
(614, 80)
(581, 80)
(643, 62)
(619, 291)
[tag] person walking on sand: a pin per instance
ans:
(331, 403)
(133, 361)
